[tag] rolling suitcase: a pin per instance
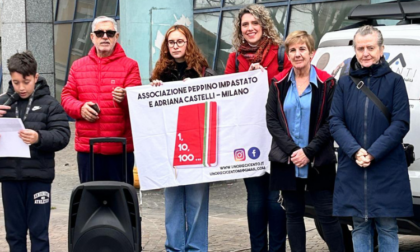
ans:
(104, 215)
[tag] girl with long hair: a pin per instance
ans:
(180, 55)
(186, 207)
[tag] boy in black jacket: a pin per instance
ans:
(26, 182)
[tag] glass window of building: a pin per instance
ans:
(62, 38)
(320, 18)
(265, 1)
(73, 19)
(54, 8)
(65, 10)
(383, 1)
(205, 33)
(279, 16)
(106, 8)
(72, 32)
(80, 41)
(198, 4)
(85, 9)
(238, 2)
(225, 40)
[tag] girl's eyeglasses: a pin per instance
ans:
(179, 43)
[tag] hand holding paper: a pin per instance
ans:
(11, 145)
(29, 136)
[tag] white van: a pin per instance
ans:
(402, 51)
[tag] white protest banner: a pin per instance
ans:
(201, 130)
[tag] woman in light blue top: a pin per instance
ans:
(302, 154)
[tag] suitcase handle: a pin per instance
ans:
(122, 140)
(93, 141)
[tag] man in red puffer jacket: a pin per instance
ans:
(95, 97)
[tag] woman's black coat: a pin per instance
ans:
(320, 150)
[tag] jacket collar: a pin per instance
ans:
(321, 75)
(116, 54)
(312, 76)
(375, 70)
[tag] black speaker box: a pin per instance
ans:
(104, 217)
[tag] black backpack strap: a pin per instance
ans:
(236, 62)
(361, 85)
(280, 57)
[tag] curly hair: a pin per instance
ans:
(193, 56)
(263, 16)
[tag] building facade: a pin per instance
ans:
(27, 25)
(143, 24)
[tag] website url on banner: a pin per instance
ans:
(241, 166)
(237, 171)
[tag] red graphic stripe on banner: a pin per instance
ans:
(196, 136)
(212, 140)
(189, 136)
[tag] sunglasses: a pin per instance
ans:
(109, 33)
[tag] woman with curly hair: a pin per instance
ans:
(186, 207)
(256, 42)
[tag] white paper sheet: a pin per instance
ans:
(10, 143)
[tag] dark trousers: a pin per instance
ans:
(294, 202)
(263, 209)
(27, 205)
(107, 167)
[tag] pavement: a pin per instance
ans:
(228, 228)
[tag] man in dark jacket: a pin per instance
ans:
(372, 183)
(26, 182)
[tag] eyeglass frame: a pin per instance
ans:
(107, 32)
(176, 43)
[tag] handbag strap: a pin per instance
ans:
(361, 85)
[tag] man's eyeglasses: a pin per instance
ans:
(109, 33)
(179, 43)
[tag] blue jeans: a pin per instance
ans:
(263, 209)
(187, 217)
(363, 233)
(294, 202)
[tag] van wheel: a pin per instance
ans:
(348, 242)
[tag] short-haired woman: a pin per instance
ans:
(372, 183)
(186, 207)
(302, 154)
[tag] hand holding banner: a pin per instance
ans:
(203, 130)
